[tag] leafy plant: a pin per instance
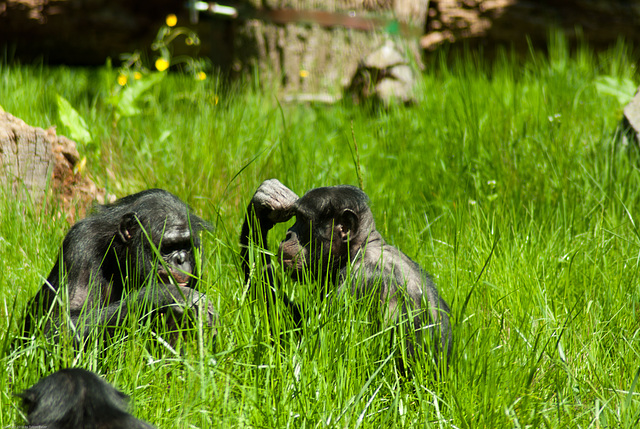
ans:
(73, 122)
(126, 99)
(623, 89)
(135, 77)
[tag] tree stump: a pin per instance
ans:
(35, 162)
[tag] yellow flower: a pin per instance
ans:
(171, 20)
(304, 73)
(215, 99)
(162, 64)
(80, 166)
(201, 75)
(137, 75)
(122, 80)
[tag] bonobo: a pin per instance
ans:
(75, 398)
(334, 237)
(138, 252)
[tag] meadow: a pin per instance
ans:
(507, 181)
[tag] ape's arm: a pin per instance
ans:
(178, 300)
(272, 203)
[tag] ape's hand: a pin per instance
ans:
(190, 302)
(274, 201)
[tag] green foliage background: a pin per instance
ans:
(506, 181)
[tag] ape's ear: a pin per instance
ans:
(128, 225)
(348, 223)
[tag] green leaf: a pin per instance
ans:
(72, 120)
(622, 89)
(126, 104)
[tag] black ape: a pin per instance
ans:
(78, 399)
(143, 245)
(334, 233)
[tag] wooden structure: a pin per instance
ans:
(320, 51)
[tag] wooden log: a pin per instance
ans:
(492, 23)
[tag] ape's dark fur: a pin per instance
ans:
(143, 243)
(334, 234)
(78, 399)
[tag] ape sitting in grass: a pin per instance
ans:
(137, 253)
(334, 238)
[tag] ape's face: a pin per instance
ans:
(177, 251)
(321, 238)
(164, 224)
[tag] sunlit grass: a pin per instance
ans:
(505, 181)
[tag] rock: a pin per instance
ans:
(385, 57)
(384, 76)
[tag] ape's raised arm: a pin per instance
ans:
(272, 203)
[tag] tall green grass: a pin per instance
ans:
(506, 181)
